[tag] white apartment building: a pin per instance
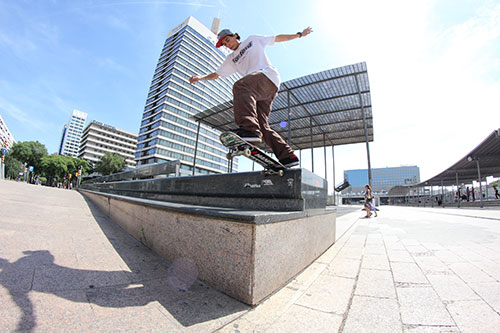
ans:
(72, 133)
(99, 138)
(7, 140)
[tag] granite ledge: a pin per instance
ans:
(230, 214)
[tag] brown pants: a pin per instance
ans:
(253, 97)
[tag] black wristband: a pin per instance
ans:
(300, 34)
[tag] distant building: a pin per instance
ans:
(72, 133)
(99, 138)
(65, 128)
(7, 140)
(382, 178)
(168, 131)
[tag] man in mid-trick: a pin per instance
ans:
(253, 95)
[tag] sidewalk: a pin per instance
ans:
(66, 267)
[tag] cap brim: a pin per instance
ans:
(219, 43)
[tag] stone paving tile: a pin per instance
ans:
(430, 329)
(375, 249)
(448, 256)
(490, 292)
(63, 278)
(489, 267)
(451, 288)
(433, 246)
(371, 314)
(375, 261)
(400, 256)
(344, 267)
(416, 249)
(375, 283)
(470, 273)
(303, 319)
(351, 253)
(407, 273)
(328, 294)
(422, 306)
(264, 315)
(431, 264)
(474, 316)
(143, 319)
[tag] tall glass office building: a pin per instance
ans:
(168, 131)
(72, 134)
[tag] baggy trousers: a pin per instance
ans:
(253, 97)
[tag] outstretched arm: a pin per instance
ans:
(284, 38)
(195, 78)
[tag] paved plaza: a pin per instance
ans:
(64, 266)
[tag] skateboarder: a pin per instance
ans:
(253, 94)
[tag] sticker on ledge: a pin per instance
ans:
(248, 185)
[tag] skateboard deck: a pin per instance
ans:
(237, 146)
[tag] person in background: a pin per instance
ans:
(369, 201)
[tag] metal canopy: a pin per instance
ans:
(486, 157)
(482, 161)
(328, 108)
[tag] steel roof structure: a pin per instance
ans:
(481, 162)
(328, 108)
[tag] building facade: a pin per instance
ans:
(168, 131)
(99, 138)
(382, 178)
(72, 133)
(6, 138)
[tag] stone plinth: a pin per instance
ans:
(246, 254)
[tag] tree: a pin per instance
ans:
(12, 167)
(29, 152)
(54, 167)
(110, 163)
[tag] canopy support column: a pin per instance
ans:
(196, 147)
(480, 183)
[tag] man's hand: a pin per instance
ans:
(193, 79)
(285, 38)
(307, 31)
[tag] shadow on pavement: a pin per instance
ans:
(150, 278)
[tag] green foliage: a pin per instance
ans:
(56, 167)
(12, 166)
(110, 163)
(30, 152)
(494, 184)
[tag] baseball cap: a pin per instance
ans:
(223, 33)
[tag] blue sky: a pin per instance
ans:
(433, 65)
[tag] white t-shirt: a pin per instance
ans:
(249, 58)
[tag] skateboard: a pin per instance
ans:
(237, 146)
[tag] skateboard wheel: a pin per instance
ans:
(229, 156)
(281, 173)
(263, 173)
(247, 152)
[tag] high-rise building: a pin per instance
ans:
(168, 131)
(63, 134)
(70, 142)
(6, 138)
(99, 138)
